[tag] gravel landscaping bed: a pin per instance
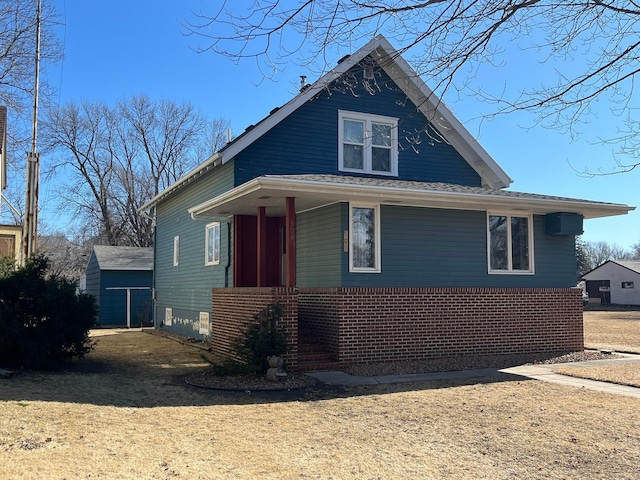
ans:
(293, 381)
(471, 362)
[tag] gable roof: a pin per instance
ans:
(633, 265)
(123, 258)
(406, 79)
(313, 191)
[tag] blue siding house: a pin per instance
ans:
(366, 187)
(120, 279)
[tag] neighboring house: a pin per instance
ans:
(614, 282)
(120, 279)
(383, 227)
(10, 241)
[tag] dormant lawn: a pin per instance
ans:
(125, 412)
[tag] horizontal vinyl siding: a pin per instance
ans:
(113, 302)
(93, 278)
(307, 141)
(187, 287)
(448, 248)
(555, 256)
(319, 247)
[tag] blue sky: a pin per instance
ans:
(116, 48)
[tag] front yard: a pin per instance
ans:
(125, 412)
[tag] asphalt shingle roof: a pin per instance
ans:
(124, 258)
(630, 264)
(429, 186)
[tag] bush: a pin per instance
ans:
(262, 338)
(43, 323)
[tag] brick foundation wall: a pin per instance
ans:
(360, 325)
(319, 314)
(392, 324)
(234, 308)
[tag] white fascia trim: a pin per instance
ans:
(288, 108)
(459, 200)
(213, 161)
(437, 112)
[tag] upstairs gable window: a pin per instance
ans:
(367, 143)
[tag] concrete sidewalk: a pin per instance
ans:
(538, 372)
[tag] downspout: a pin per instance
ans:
(153, 274)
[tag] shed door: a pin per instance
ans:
(600, 289)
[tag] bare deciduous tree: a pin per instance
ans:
(114, 160)
(596, 253)
(17, 74)
(589, 47)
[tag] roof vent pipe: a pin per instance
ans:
(303, 83)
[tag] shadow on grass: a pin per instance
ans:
(101, 383)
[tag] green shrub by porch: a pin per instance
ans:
(263, 337)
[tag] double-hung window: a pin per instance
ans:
(367, 143)
(364, 234)
(510, 243)
(212, 244)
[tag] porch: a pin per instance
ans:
(367, 325)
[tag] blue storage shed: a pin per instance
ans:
(120, 279)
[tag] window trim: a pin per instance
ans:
(378, 256)
(368, 119)
(212, 227)
(176, 250)
(530, 239)
(627, 285)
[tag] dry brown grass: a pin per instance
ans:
(125, 413)
(612, 330)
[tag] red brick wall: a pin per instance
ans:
(234, 308)
(389, 324)
(361, 325)
(319, 311)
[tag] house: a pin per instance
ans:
(10, 241)
(120, 279)
(385, 230)
(614, 282)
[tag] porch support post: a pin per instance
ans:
(262, 246)
(290, 218)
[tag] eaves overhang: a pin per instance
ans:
(311, 193)
(204, 167)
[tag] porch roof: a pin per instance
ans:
(313, 191)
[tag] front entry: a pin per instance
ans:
(245, 250)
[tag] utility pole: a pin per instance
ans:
(30, 225)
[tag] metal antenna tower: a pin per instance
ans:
(30, 225)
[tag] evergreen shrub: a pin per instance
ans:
(43, 323)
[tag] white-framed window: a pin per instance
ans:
(510, 243)
(212, 244)
(364, 235)
(367, 143)
(176, 250)
(203, 327)
(627, 285)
